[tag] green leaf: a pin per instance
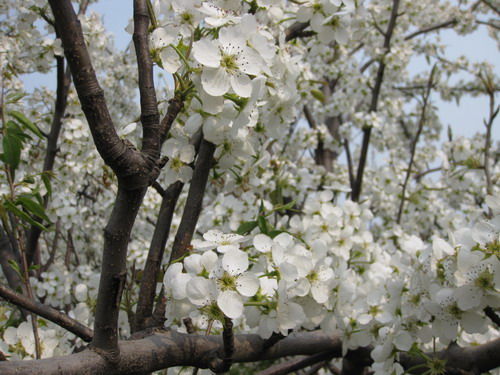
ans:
(34, 267)
(34, 207)
(283, 207)
(12, 146)
(26, 122)
(15, 267)
(246, 227)
(277, 196)
(46, 176)
(318, 95)
(23, 215)
(274, 233)
(262, 222)
(14, 97)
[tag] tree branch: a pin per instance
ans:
(431, 28)
(155, 254)
(161, 350)
(46, 312)
(356, 191)
(415, 142)
(128, 164)
(150, 117)
(296, 30)
(194, 201)
(298, 364)
(114, 271)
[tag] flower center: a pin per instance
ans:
(485, 281)
(227, 282)
(229, 63)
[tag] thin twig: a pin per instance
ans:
(47, 312)
(421, 124)
(431, 28)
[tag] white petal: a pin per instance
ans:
(207, 53)
(440, 246)
(319, 292)
(230, 303)
(242, 85)
(472, 322)
(263, 243)
(235, 261)
(215, 81)
(170, 60)
(403, 341)
(179, 286)
(247, 284)
(200, 291)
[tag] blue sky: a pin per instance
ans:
(465, 119)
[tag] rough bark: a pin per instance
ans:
(161, 350)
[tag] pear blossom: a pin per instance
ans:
(227, 63)
(214, 238)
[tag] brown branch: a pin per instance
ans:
(489, 23)
(47, 312)
(194, 201)
(356, 361)
(176, 104)
(114, 271)
(150, 117)
(296, 30)
(155, 254)
(128, 164)
(62, 89)
(431, 28)
(489, 125)
(356, 191)
(298, 363)
(160, 350)
(475, 359)
(491, 6)
(228, 344)
(490, 313)
(7, 257)
(421, 124)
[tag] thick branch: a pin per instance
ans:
(150, 117)
(298, 364)
(168, 349)
(46, 312)
(194, 201)
(114, 271)
(476, 359)
(121, 158)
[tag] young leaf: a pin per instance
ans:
(23, 215)
(14, 97)
(261, 220)
(13, 264)
(46, 181)
(246, 227)
(26, 122)
(11, 150)
(34, 207)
